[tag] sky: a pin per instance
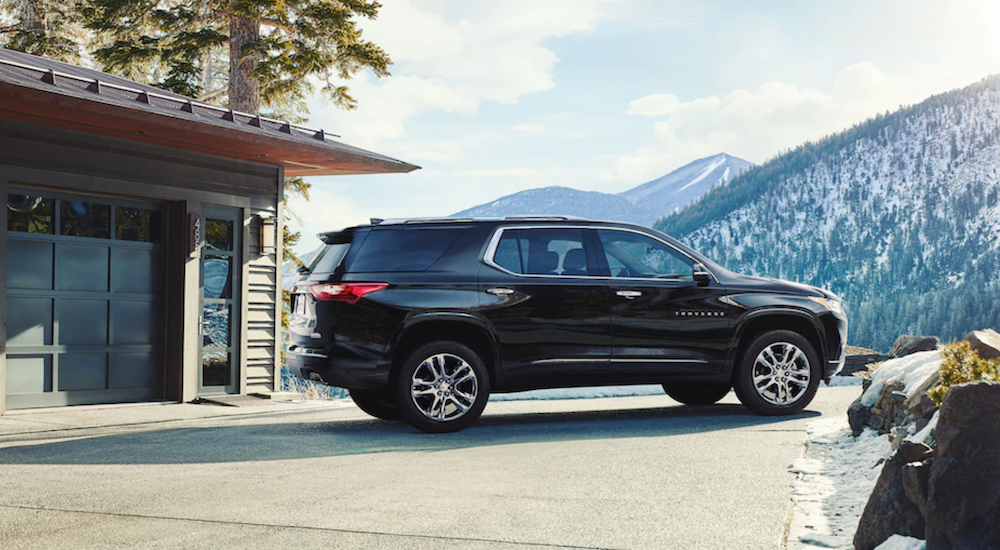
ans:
(493, 97)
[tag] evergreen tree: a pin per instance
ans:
(47, 28)
(273, 50)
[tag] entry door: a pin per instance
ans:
(220, 304)
(85, 288)
(663, 321)
(550, 309)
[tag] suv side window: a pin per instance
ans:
(634, 255)
(544, 251)
(399, 250)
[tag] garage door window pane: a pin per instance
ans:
(30, 214)
(137, 224)
(85, 219)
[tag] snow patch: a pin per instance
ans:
(899, 542)
(708, 170)
(835, 479)
(912, 369)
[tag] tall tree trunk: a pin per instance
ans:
(33, 17)
(244, 90)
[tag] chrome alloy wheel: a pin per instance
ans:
(781, 373)
(444, 387)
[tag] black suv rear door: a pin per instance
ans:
(540, 288)
(663, 321)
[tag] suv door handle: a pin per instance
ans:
(629, 294)
(499, 291)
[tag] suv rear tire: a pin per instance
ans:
(376, 403)
(697, 395)
(778, 373)
(442, 387)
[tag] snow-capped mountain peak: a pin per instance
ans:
(643, 204)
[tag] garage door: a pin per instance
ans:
(85, 293)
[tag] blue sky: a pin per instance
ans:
(492, 97)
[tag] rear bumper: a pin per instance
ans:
(351, 373)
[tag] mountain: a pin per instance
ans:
(643, 204)
(900, 215)
(685, 184)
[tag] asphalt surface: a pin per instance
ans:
(615, 473)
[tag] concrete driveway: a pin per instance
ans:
(617, 473)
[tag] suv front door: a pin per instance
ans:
(551, 311)
(663, 321)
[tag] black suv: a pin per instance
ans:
(422, 319)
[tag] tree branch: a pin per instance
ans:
(277, 24)
(195, 21)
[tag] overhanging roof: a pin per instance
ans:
(51, 93)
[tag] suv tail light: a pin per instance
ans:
(344, 292)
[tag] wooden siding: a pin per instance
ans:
(263, 295)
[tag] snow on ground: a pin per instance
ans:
(912, 370)
(846, 381)
(835, 478)
(899, 542)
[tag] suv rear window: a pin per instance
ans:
(327, 259)
(543, 251)
(395, 250)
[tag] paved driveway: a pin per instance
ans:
(635, 472)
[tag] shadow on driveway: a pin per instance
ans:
(285, 440)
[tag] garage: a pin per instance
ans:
(85, 294)
(141, 238)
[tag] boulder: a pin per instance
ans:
(919, 404)
(986, 342)
(857, 417)
(962, 504)
(889, 510)
(907, 344)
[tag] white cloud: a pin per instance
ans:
(653, 105)
(500, 173)
(757, 124)
(325, 211)
(529, 128)
(454, 56)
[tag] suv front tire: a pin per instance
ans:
(778, 373)
(442, 387)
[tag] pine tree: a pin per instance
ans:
(273, 50)
(47, 28)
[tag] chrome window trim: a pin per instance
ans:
(498, 233)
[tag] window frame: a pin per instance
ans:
(607, 268)
(592, 241)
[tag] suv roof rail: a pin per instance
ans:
(543, 218)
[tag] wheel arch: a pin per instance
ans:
(458, 327)
(761, 321)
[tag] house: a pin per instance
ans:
(142, 238)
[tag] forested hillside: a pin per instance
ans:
(900, 215)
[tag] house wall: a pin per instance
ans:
(84, 163)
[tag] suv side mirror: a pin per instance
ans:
(701, 275)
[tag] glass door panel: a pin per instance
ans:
(220, 282)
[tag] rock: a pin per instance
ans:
(916, 482)
(920, 424)
(986, 342)
(896, 436)
(919, 405)
(888, 410)
(962, 506)
(857, 417)
(889, 511)
(907, 344)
